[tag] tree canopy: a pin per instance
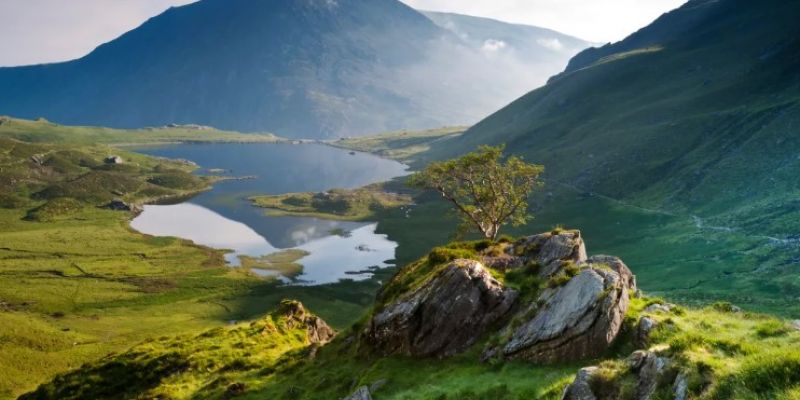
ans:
(487, 189)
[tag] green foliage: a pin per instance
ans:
(772, 327)
(440, 255)
(486, 192)
(55, 208)
(185, 366)
(47, 132)
(176, 179)
(565, 274)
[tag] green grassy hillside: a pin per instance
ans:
(723, 352)
(685, 130)
(77, 283)
(44, 131)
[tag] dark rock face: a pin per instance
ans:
(443, 317)
(578, 320)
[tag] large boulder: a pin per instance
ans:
(444, 316)
(575, 321)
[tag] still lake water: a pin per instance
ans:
(224, 218)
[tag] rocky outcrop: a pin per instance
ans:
(576, 321)
(443, 317)
(296, 315)
(577, 314)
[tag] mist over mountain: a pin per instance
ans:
(305, 68)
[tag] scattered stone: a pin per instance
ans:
(580, 388)
(644, 328)
(796, 324)
(234, 390)
(361, 393)
(119, 205)
(660, 308)
(38, 159)
(113, 160)
(680, 388)
(649, 368)
(443, 317)
(318, 331)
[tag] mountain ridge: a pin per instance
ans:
(310, 68)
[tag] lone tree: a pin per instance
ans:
(487, 192)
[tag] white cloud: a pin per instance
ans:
(552, 44)
(492, 46)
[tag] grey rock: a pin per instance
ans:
(552, 251)
(680, 388)
(616, 264)
(317, 330)
(119, 205)
(38, 159)
(659, 308)
(362, 393)
(650, 369)
(580, 388)
(114, 160)
(445, 316)
(644, 328)
(795, 324)
(578, 320)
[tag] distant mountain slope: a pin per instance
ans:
(696, 119)
(698, 112)
(302, 68)
(539, 49)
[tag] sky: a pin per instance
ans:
(41, 31)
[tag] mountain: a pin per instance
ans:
(693, 118)
(303, 68)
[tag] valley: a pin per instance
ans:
(301, 199)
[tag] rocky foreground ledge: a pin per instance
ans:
(539, 299)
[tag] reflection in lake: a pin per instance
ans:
(224, 218)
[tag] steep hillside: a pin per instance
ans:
(693, 118)
(437, 330)
(308, 68)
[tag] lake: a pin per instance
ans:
(224, 218)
